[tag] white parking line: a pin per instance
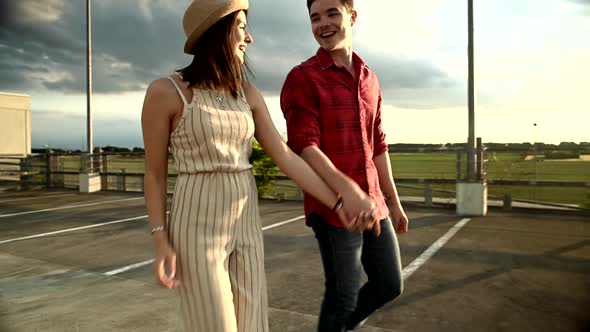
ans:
(314, 318)
(282, 223)
(67, 207)
(406, 272)
(426, 255)
(71, 229)
(36, 197)
(150, 261)
(129, 267)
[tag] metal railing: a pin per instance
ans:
(125, 172)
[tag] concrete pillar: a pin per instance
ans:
(89, 180)
(472, 198)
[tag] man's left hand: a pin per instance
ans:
(399, 219)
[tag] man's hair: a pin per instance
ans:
(215, 66)
(349, 4)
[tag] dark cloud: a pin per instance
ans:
(584, 6)
(130, 48)
(395, 72)
(580, 2)
(283, 39)
(137, 41)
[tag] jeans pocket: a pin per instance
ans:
(321, 228)
(316, 221)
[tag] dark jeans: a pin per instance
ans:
(346, 303)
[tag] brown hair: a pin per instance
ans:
(349, 4)
(215, 65)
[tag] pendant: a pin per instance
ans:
(220, 102)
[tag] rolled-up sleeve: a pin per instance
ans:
(299, 103)
(379, 143)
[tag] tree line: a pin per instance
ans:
(582, 147)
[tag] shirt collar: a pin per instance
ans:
(326, 60)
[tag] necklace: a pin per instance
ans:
(220, 98)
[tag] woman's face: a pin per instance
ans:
(240, 36)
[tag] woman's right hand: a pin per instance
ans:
(165, 262)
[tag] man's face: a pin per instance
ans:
(331, 24)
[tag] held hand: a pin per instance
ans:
(376, 227)
(352, 225)
(358, 206)
(371, 222)
(348, 224)
(165, 265)
(399, 219)
(360, 223)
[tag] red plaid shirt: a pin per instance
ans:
(326, 107)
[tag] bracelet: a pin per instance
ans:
(338, 204)
(158, 229)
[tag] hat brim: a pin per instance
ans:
(215, 16)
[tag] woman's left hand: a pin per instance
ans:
(165, 263)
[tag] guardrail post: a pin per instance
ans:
(83, 164)
(25, 173)
(104, 170)
(22, 175)
(61, 169)
(142, 183)
(458, 165)
(428, 194)
(507, 202)
(123, 179)
(299, 195)
(48, 169)
(480, 161)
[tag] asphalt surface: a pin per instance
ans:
(518, 271)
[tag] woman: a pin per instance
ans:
(210, 248)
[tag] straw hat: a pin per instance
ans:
(202, 14)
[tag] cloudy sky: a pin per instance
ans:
(532, 64)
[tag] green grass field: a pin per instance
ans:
(429, 165)
(500, 166)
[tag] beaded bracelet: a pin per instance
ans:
(157, 229)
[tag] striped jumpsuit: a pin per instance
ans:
(214, 224)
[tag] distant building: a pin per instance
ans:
(15, 124)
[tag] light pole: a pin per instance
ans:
(471, 97)
(471, 193)
(89, 145)
(89, 179)
(535, 159)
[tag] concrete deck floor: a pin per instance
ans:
(514, 271)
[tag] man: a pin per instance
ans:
(332, 105)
